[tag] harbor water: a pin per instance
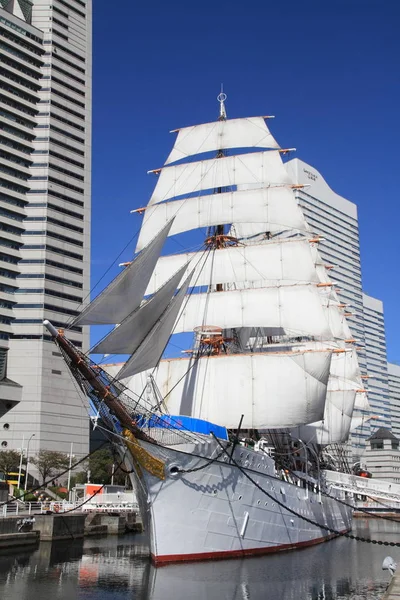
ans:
(118, 568)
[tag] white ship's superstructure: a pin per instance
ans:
(272, 351)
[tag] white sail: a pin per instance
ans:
(345, 367)
(149, 352)
(284, 262)
(221, 135)
(125, 293)
(338, 323)
(335, 427)
(344, 381)
(275, 207)
(261, 168)
(275, 287)
(297, 309)
(361, 402)
(126, 338)
(270, 390)
(358, 422)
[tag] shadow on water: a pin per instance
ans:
(116, 568)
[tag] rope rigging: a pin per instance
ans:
(302, 517)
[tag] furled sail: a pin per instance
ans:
(275, 207)
(288, 261)
(255, 168)
(126, 338)
(125, 293)
(149, 352)
(220, 135)
(270, 390)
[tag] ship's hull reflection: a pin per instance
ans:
(118, 568)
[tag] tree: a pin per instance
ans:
(101, 467)
(49, 462)
(9, 462)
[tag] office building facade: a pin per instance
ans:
(335, 219)
(375, 346)
(46, 64)
(394, 393)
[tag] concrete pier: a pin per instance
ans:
(59, 526)
(393, 591)
(12, 536)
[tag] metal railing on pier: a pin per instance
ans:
(120, 502)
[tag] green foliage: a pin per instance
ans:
(25, 496)
(9, 461)
(49, 462)
(101, 466)
(29, 497)
(57, 490)
(79, 477)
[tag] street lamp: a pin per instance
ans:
(20, 462)
(27, 461)
(71, 456)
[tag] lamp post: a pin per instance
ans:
(20, 462)
(27, 462)
(70, 466)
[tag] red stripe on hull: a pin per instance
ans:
(166, 559)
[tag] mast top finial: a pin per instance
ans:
(221, 99)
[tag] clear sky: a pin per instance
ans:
(328, 69)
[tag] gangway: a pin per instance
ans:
(380, 493)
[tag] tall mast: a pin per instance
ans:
(215, 236)
(219, 230)
(212, 338)
(221, 99)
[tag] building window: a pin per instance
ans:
(376, 445)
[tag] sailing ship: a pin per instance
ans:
(225, 443)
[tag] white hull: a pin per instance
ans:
(216, 512)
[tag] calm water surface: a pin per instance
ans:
(116, 568)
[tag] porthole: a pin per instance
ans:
(4, 444)
(265, 503)
(258, 502)
(6, 426)
(259, 465)
(240, 497)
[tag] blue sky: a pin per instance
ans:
(329, 71)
